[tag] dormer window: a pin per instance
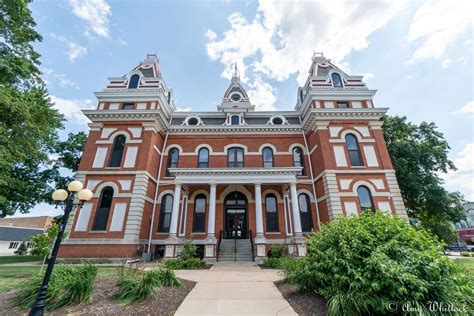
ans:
(336, 80)
(134, 80)
(127, 106)
(193, 121)
(235, 120)
(277, 121)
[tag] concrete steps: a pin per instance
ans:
(239, 250)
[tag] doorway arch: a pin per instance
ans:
(235, 216)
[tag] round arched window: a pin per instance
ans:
(277, 121)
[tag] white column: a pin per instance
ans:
(175, 211)
(211, 219)
(258, 210)
(296, 209)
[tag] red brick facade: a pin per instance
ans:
(313, 135)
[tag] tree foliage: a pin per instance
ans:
(419, 155)
(28, 121)
(22, 249)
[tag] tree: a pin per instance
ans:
(28, 121)
(419, 155)
(22, 249)
(42, 243)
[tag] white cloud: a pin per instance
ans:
(95, 12)
(52, 78)
(280, 40)
(263, 93)
(468, 108)
(72, 108)
(74, 49)
(463, 179)
(438, 24)
(368, 76)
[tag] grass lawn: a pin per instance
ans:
(16, 259)
(467, 263)
(12, 276)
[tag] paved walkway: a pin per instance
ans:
(233, 288)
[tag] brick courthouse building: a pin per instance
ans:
(160, 176)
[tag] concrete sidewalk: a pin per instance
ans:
(233, 288)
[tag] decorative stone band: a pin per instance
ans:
(235, 176)
(241, 129)
(314, 115)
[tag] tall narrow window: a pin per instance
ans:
(165, 213)
(267, 156)
(365, 198)
(199, 220)
(353, 149)
(173, 157)
(271, 213)
(203, 158)
(298, 159)
(235, 157)
(336, 80)
(134, 80)
(103, 209)
(305, 213)
(117, 151)
(235, 120)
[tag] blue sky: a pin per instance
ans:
(417, 54)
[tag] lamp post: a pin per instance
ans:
(59, 195)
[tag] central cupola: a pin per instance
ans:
(236, 99)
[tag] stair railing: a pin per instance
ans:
(235, 247)
(251, 245)
(219, 245)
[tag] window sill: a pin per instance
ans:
(97, 231)
(273, 233)
(357, 167)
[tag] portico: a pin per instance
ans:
(236, 221)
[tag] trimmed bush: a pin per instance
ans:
(278, 263)
(180, 264)
(362, 264)
(69, 285)
(277, 251)
(465, 254)
(189, 250)
(139, 285)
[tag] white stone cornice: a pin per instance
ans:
(315, 115)
(241, 129)
(155, 116)
(235, 176)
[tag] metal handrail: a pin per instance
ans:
(219, 245)
(235, 248)
(251, 244)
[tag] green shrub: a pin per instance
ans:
(277, 251)
(361, 264)
(22, 249)
(69, 285)
(188, 250)
(180, 264)
(278, 263)
(465, 254)
(139, 285)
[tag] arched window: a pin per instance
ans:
(165, 213)
(336, 80)
(365, 198)
(199, 220)
(134, 80)
(235, 120)
(353, 149)
(305, 213)
(103, 209)
(298, 159)
(267, 157)
(173, 157)
(203, 158)
(271, 213)
(235, 157)
(117, 151)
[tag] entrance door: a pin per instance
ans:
(235, 216)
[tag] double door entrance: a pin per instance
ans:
(235, 222)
